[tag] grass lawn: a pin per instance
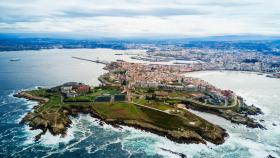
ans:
(118, 110)
(40, 92)
(155, 104)
(54, 103)
(98, 91)
(128, 111)
(82, 98)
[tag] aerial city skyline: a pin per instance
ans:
(140, 79)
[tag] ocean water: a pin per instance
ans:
(86, 138)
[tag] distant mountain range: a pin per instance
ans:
(249, 43)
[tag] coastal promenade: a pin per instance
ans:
(233, 105)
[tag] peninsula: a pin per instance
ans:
(153, 98)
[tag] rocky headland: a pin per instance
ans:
(56, 119)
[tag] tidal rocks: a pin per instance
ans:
(250, 110)
(269, 156)
(262, 120)
(176, 153)
(239, 118)
(56, 123)
(31, 97)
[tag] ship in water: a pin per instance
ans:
(15, 59)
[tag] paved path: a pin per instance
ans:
(226, 106)
(151, 108)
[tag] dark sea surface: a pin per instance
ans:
(49, 68)
(86, 138)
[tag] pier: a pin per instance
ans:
(90, 60)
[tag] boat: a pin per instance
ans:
(15, 59)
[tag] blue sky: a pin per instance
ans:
(141, 18)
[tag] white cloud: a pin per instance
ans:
(127, 18)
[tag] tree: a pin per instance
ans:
(151, 90)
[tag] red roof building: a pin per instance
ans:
(83, 89)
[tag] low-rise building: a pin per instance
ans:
(161, 94)
(71, 94)
(120, 97)
(103, 99)
(83, 89)
(65, 89)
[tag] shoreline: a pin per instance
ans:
(39, 49)
(265, 74)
